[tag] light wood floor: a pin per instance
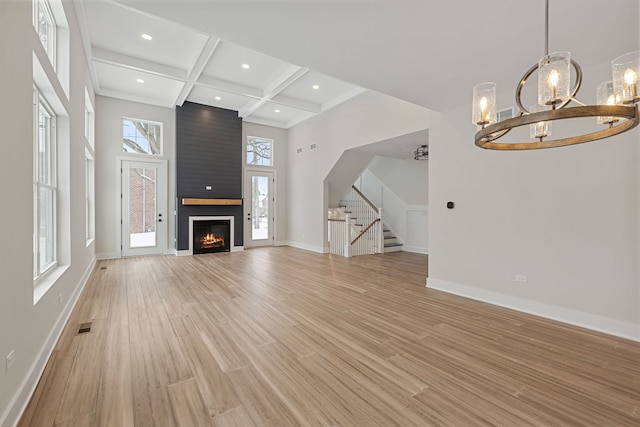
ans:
(284, 337)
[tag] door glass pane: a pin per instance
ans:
(142, 207)
(260, 207)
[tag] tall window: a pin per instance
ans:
(259, 151)
(141, 137)
(89, 196)
(45, 26)
(89, 168)
(45, 188)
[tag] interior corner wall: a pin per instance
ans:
(109, 114)
(367, 118)
(566, 218)
(280, 162)
(31, 330)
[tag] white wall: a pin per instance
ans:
(567, 218)
(399, 187)
(407, 178)
(280, 160)
(365, 119)
(32, 330)
(109, 114)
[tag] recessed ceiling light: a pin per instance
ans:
(140, 80)
(146, 37)
(276, 111)
(217, 98)
(315, 87)
(245, 66)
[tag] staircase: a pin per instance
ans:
(356, 228)
(391, 243)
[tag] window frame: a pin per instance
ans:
(271, 151)
(89, 169)
(51, 185)
(160, 144)
(50, 47)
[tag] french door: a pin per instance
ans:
(259, 209)
(143, 209)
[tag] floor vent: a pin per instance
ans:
(84, 328)
(103, 268)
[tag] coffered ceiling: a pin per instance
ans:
(425, 52)
(173, 63)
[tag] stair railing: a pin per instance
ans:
(344, 239)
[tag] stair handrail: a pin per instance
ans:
(365, 230)
(365, 198)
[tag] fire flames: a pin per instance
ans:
(210, 240)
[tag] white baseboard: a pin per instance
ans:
(306, 247)
(415, 249)
(594, 322)
(108, 255)
(21, 399)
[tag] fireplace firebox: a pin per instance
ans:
(211, 236)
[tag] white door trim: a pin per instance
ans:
(161, 201)
(248, 241)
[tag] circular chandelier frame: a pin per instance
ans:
(486, 136)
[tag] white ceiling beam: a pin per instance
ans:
(297, 103)
(229, 87)
(86, 43)
(279, 84)
(203, 58)
(128, 96)
(125, 61)
(266, 122)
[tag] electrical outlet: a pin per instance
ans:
(11, 357)
(521, 278)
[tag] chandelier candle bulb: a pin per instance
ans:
(484, 104)
(554, 78)
(553, 84)
(625, 71)
(483, 109)
(631, 79)
(539, 130)
(605, 96)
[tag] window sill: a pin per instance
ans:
(43, 284)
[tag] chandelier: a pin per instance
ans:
(616, 107)
(421, 153)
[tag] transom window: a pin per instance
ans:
(141, 137)
(45, 26)
(45, 189)
(259, 151)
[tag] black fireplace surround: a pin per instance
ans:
(208, 166)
